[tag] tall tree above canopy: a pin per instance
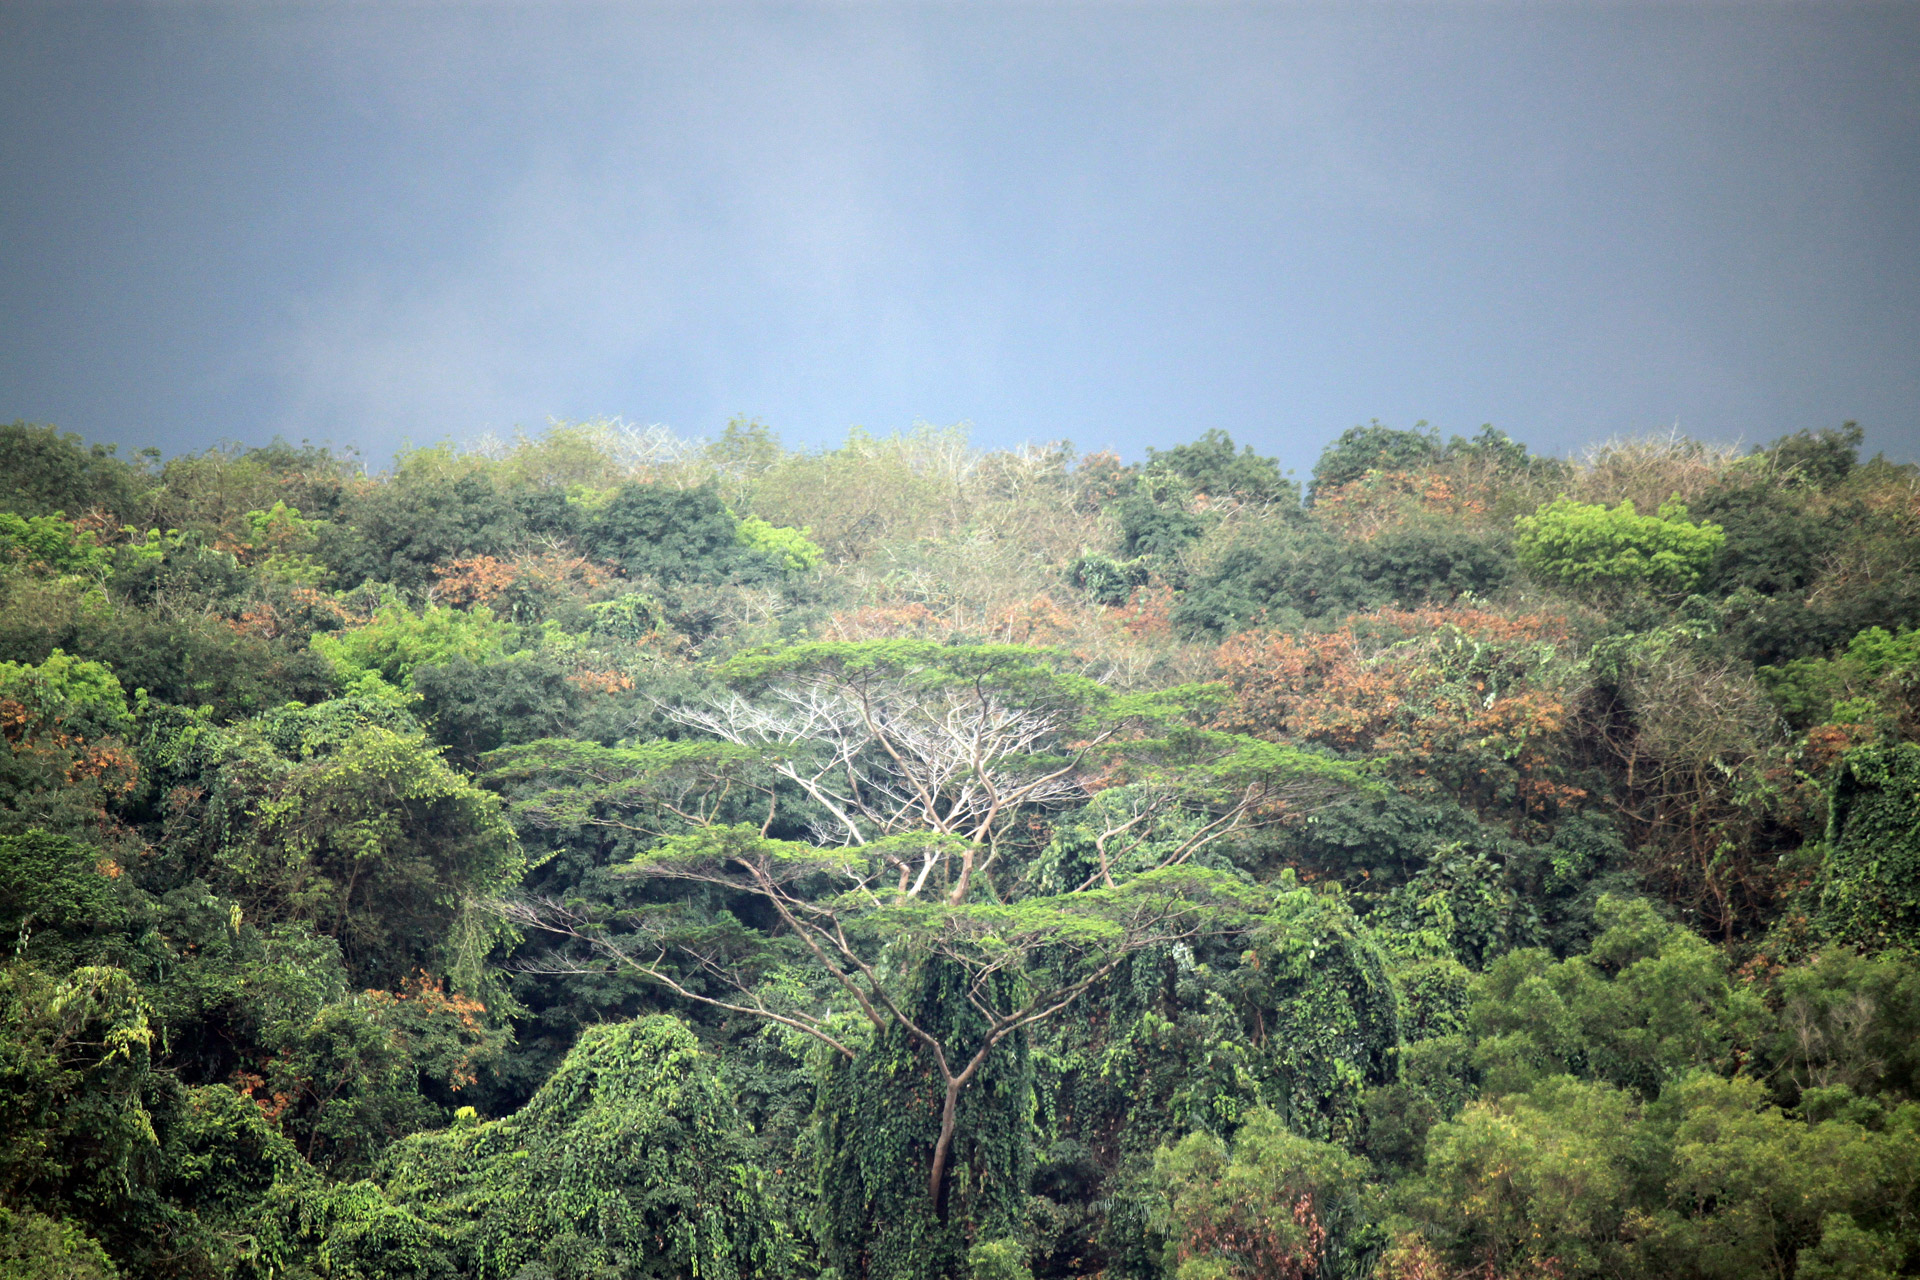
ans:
(910, 761)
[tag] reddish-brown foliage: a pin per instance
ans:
(1466, 697)
(1380, 499)
(1258, 1249)
(494, 582)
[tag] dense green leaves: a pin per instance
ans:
(1584, 544)
(1870, 884)
(1211, 467)
(678, 535)
(1272, 1206)
(628, 1160)
(599, 854)
(1374, 447)
(374, 840)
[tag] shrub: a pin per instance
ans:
(1272, 1206)
(1582, 544)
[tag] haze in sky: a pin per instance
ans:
(1121, 224)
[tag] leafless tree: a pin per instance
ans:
(883, 759)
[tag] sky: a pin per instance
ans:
(1121, 224)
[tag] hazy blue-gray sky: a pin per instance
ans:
(1117, 223)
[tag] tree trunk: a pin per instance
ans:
(944, 1147)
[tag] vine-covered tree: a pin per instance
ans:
(908, 764)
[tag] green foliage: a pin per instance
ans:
(1823, 459)
(52, 885)
(49, 471)
(879, 1118)
(1273, 1205)
(1323, 1010)
(679, 535)
(358, 1073)
(360, 1235)
(1210, 466)
(746, 450)
(225, 1179)
(1649, 1001)
(1870, 881)
(787, 549)
(189, 657)
(214, 493)
(1875, 679)
(1847, 1252)
(1156, 522)
(870, 491)
(1775, 540)
(433, 511)
(1003, 952)
(1309, 573)
(1374, 447)
(50, 545)
(629, 1159)
(1462, 899)
(1106, 580)
(633, 616)
(1293, 1011)
(1847, 1031)
(397, 640)
(1531, 1178)
(375, 841)
(1584, 544)
(1709, 1181)
(472, 707)
(177, 565)
(36, 1247)
(75, 1061)
(999, 1260)
(67, 693)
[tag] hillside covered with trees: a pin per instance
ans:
(605, 855)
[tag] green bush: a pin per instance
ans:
(1270, 1206)
(36, 1247)
(1210, 466)
(677, 535)
(396, 640)
(1584, 544)
(49, 471)
(1374, 447)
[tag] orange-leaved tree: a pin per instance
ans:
(1465, 699)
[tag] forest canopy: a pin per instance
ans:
(602, 854)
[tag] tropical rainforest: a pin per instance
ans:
(600, 854)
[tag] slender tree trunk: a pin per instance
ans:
(944, 1147)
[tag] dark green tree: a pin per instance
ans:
(1374, 447)
(675, 535)
(51, 471)
(1210, 466)
(369, 836)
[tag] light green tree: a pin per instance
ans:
(1585, 544)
